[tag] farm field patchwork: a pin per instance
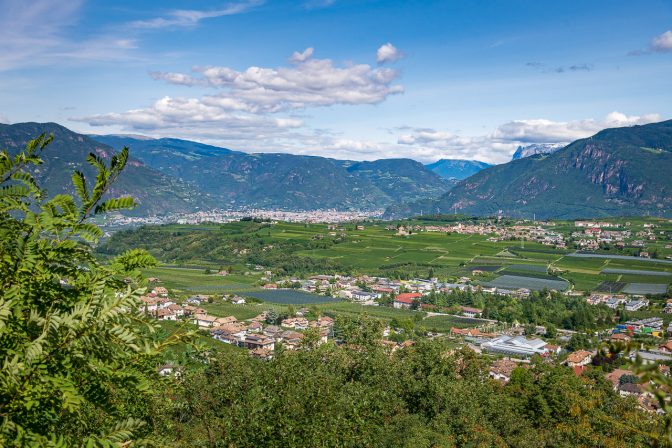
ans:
(636, 272)
(645, 288)
(618, 257)
(287, 296)
(533, 283)
(376, 250)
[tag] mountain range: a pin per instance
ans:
(619, 171)
(284, 181)
(457, 169)
(171, 175)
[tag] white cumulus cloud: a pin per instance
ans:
(497, 147)
(256, 105)
(388, 53)
(307, 83)
(246, 97)
(301, 57)
(548, 131)
(662, 43)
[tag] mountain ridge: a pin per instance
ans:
(173, 175)
(457, 168)
(616, 172)
(152, 190)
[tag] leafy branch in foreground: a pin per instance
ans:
(72, 335)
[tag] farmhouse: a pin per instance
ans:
(405, 300)
(160, 291)
(262, 353)
(165, 314)
(204, 321)
(363, 296)
(501, 369)
(579, 358)
(470, 312)
(298, 323)
(256, 341)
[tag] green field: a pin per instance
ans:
(374, 251)
(191, 280)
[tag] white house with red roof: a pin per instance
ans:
(405, 300)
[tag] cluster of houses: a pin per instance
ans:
(261, 339)
(614, 301)
(624, 382)
(520, 231)
(515, 352)
(594, 233)
(366, 290)
(536, 233)
(652, 326)
(254, 334)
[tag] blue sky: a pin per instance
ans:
(346, 79)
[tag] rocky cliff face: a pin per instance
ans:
(536, 149)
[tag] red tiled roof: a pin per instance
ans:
(666, 346)
(407, 297)
(473, 310)
(578, 356)
(619, 337)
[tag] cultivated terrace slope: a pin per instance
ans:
(617, 172)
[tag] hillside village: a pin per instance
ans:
(508, 346)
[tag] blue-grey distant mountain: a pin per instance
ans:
(457, 169)
(171, 175)
(536, 149)
(237, 179)
(617, 172)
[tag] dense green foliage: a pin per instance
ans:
(540, 308)
(421, 396)
(617, 172)
(74, 352)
